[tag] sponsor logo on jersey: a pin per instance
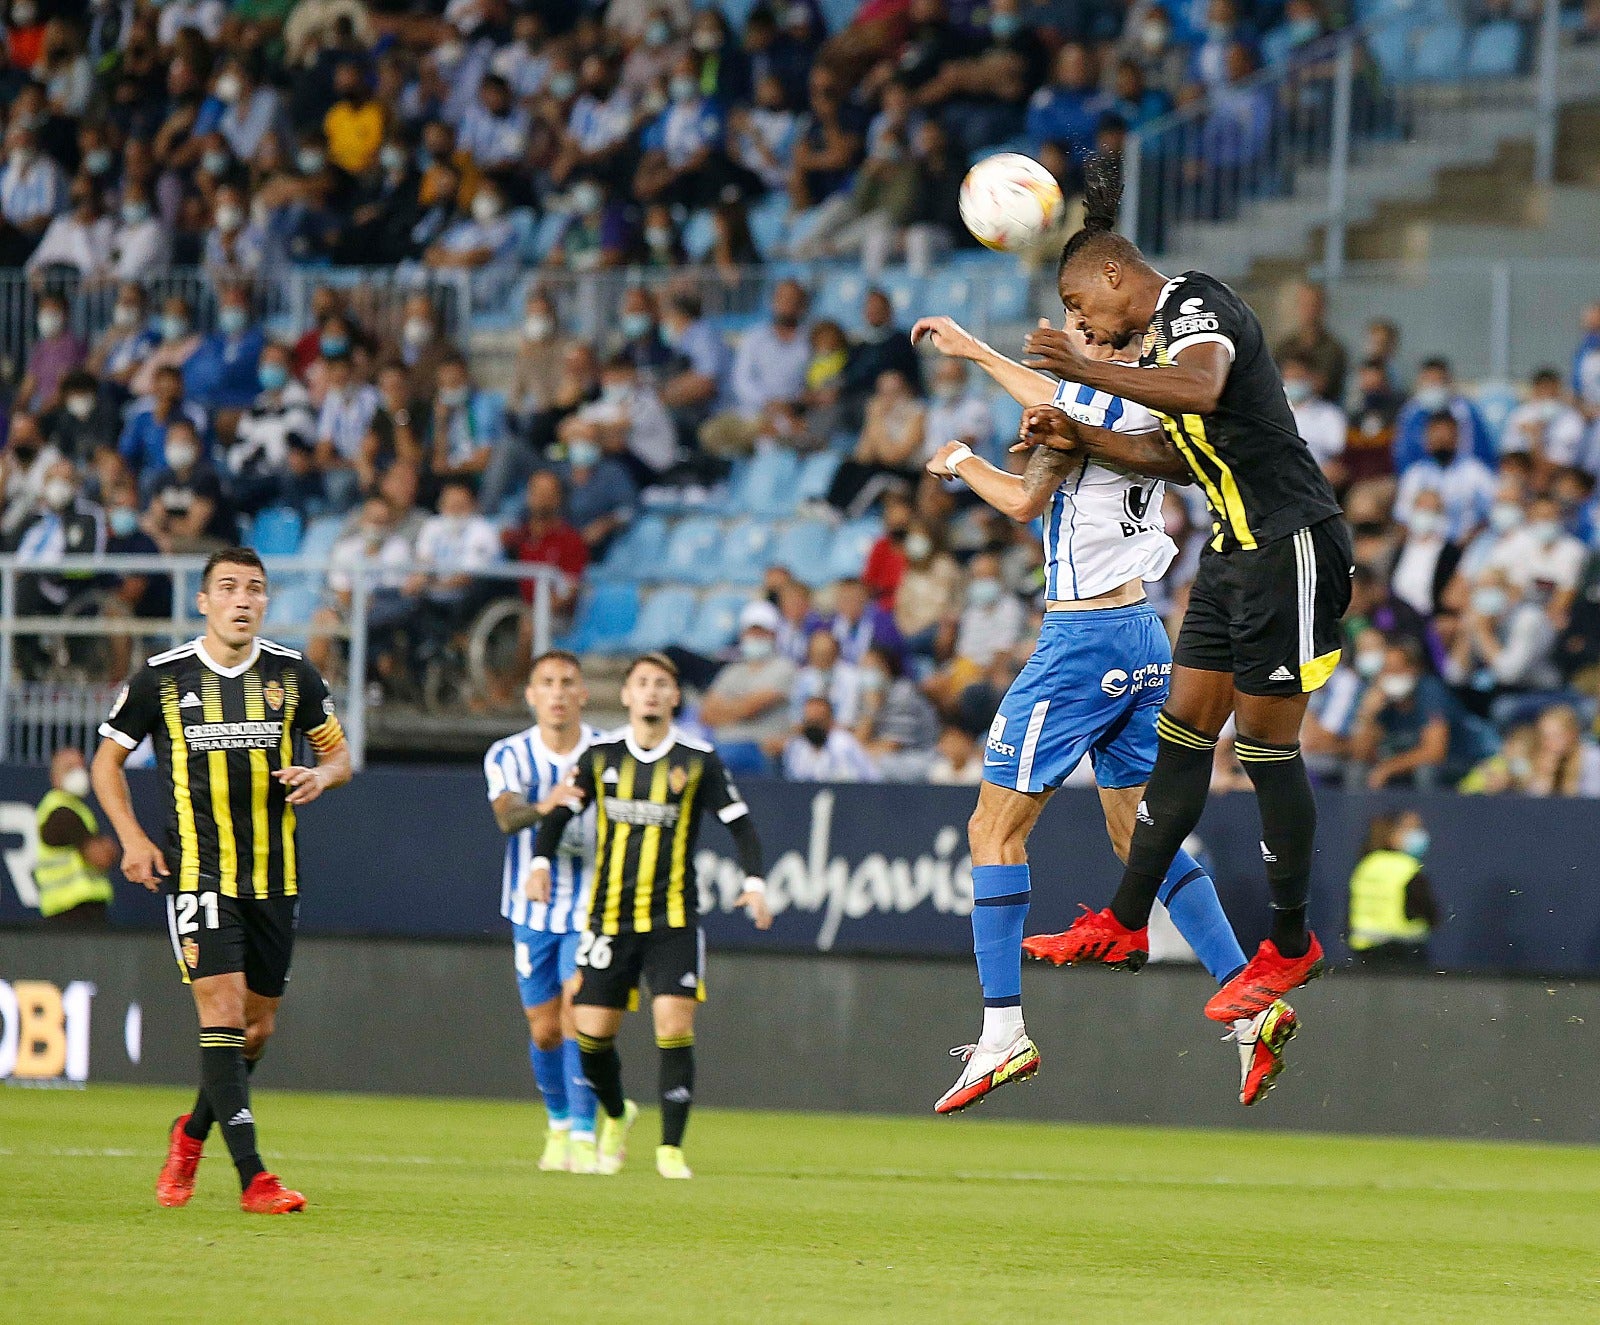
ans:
(1193, 317)
(272, 692)
(327, 705)
(209, 736)
(997, 729)
(644, 814)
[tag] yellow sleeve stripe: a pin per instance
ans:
(326, 738)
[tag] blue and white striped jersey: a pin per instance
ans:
(522, 764)
(1103, 526)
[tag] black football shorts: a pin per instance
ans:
(671, 961)
(216, 935)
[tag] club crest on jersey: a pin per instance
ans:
(272, 692)
(677, 780)
(191, 953)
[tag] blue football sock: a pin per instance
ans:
(999, 908)
(1191, 900)
(580, 1094)
(549, 1071)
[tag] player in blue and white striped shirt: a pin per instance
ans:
(528, 776)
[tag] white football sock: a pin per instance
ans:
(1000, 1027)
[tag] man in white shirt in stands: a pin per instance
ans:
(628, 422)
(1460, 478)
(823, 751)
(1542, 559)
(957, 413)
(1321, 423)
(80, 238)
(768, 367)
(1547, 428)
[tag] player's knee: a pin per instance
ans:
(995, 843)
(544, 1028)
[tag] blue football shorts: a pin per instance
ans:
(544, 962)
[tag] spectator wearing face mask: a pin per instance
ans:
(125, 343)
(897, 725)
(697, 373)
(271, 458)
(639, 338)
(601, 493)
(546, 538)
(483, 241)
(142, 596)
(1320, 422)
(235, 245)
(32, 191)
(823, 751)
(222, 373)
(827, 675)
(1542, 560)
(1434, 394)
(344, 420)
(467, 425)
(956, 413)
(1504, 645)
(55, 353)
(1392, 904)
(1330, 721)
(140, 246)
(144, 435)
(82, 425)
(747, 706)
(864, 218)
(1548, 429)
(991, 623)
(769, 367)
(26, 460)
(178, 340)
(1403, 726)
(1428, 559)
(628, 423)
(885, 454)
(1465, 484)
(930, 590)
(189, 512)
(1374, 407)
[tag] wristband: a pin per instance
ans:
(755, 885)
(540, 863)
(962, 452)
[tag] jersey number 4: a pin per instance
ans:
(594, 950)
(187, 904)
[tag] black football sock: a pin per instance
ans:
(604, 1070)
(1168, 813)
(677, 1085)
(1288, 830)
(226, 1085)
(200, 1117)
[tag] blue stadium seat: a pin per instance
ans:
(664, 620)
(769, 224)
(691, 551)
(1495, 50)
(816, 476)
(769, 487)
(320, 536)
(289, 612)
(1007, 417)
(743, 555)
(277, 532)
(848, 553)
(803, 549)
(839, 298)
(949, 291)
(905, 294)
(606, 619)
(1391, 48)
(635, 553)
(716, 622)
(1438, 52)
(1008, 297)
(699, 234)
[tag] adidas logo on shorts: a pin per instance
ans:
(1282, 674)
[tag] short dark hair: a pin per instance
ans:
(1441, 416)
(232, 556)
(556, 655)
(653, 659)
(1437, 363)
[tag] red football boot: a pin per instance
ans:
(1095, 936)
(267, 1196)
(176, 1184)
(1266, 978)
(1263, 1042)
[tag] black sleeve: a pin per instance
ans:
(1421, 904)
(1200, 311)
(137, 711)
(548, 835)
(724, 799)
(315, 715)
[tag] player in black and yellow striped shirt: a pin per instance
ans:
(651, 785)
(226, 713)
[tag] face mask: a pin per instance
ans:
(485, 208)
(537, 326)
(1545, 532)
(1369, 664)
(125, 316)
(333, 347)
(658, 236)
(135, 213)
(1004, 26)
(228, 88)
(872, 682)
(563, 84)
(392, 158)
(272, 376)
(1427, 524)
(124, 520)
(756, 648)
(586, 198)
(180, 455)
(1297, 389)
(1520, 767)
(453, 397)
(75, 782)
(1302, 30)
(58, 494)
(681, 88)
(417, 331)
(1397, 687)
(229, 218)
(983, 593)
(816, 733)
(1414, 842)
(1490, 601)
(80, 407)
(1153, 37)
(173, 327)
(583, 454)
(308, 160)
(635, 325)
(918, 546)
(705, 41)
(97, 160)
(214, 163)
(1433, 398)
(657, 34)
(1504, 515)
(50, 323)
(615, 393)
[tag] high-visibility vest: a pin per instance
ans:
(64, 878)
(1378, 901)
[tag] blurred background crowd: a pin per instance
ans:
(746, 490)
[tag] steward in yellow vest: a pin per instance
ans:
(74, 856)
(1392, 907)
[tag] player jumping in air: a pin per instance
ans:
(225, 712)
(1093, 686)
(1262, 627)
(528, 777)
(650, 786)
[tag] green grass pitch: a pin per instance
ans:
(433, 1210)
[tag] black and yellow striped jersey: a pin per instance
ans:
(648, 807)
(1260, 479)
(219, 732)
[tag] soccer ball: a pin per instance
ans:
(1010, 202)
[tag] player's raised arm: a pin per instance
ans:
(950, 338)
(1024, 496)
(1191, 384)
(1151, 453)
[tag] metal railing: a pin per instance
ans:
(1299, 131)
(37, 714)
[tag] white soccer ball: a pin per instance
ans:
(1010, 202)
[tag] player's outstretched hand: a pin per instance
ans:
(305, 784)
(142, 862)
(937, 465)
(1045, 425)
(1055, 351)
(536, 885)
(754, 901)
(949, 337)
(563, 794)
